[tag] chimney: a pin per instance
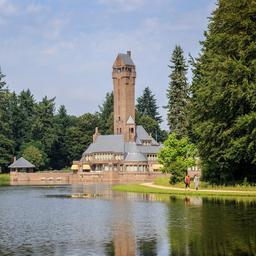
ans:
(129, 53)
(95, 135)
(14, 159)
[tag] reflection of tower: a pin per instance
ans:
(124, 240)
(124, 75)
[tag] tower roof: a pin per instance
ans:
(130, 120)
(124, 59)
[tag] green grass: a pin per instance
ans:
(164, 181)
(4, 179)
(144, 189)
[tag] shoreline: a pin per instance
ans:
(150, 188)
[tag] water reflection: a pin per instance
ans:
(202, 226)
(115, 223)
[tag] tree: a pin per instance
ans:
(106, 117)
(59, 149)
(6, 138)
(177, 94)
(224, 102)
(34, 153)
(146, 105)
(22, 115)
(176, 156)
(43, 126)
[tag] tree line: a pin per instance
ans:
(52, 139)
(216, 113)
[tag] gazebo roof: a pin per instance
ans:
(21, 163)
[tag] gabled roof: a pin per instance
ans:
(130, 120)
(107, 143)
(21, 163)
(141, 134)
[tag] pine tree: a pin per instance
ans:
(106, 125)
(146, 105)
(224, 99)
(6, 139)
(177, 94)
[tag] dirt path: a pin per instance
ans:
(201, 190)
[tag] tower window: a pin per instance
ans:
(131, 130)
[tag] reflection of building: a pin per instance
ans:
(131, 148)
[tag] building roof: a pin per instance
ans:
(126, 59)
(130, 120)
(107, 143)
(135, 157)
(141, 135)
(21, 163)
(133, 151)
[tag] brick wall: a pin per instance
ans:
(55, 178)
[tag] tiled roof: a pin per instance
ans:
(135, 157)
(126, 59)
(130, 120)
(21, 163)
(107, 143)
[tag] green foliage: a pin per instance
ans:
(176, 156)
(146, 105)
(106, 115)
(33, 153)
(177, 94)
(223, 107)
(4, 179)
(6, 138)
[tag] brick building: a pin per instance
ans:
(131, 148)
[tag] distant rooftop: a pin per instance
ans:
(21, 163)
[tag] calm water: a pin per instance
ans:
(37, 221)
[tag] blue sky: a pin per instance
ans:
(66, 48)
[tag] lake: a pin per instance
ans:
(43, 221)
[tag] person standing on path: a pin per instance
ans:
(196, 181)
(187, 181)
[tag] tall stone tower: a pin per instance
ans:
(124, 75)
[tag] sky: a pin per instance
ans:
(66, 48)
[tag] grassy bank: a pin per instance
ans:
(4, 179)
(164, 181)
(177, 191)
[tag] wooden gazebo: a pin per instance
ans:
(21, 165)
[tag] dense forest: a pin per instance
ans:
(52, 139)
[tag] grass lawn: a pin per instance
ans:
(206, 189)
(4, 179)
(164, 181)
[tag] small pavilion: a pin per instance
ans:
(21, 165)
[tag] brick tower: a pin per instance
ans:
(124, 75)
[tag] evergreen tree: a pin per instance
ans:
(224, 99)
(6, 141)
(146, 105)
(106, 115)
(43, 125)
(22, 115)
(177, 94)
(59, 149)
